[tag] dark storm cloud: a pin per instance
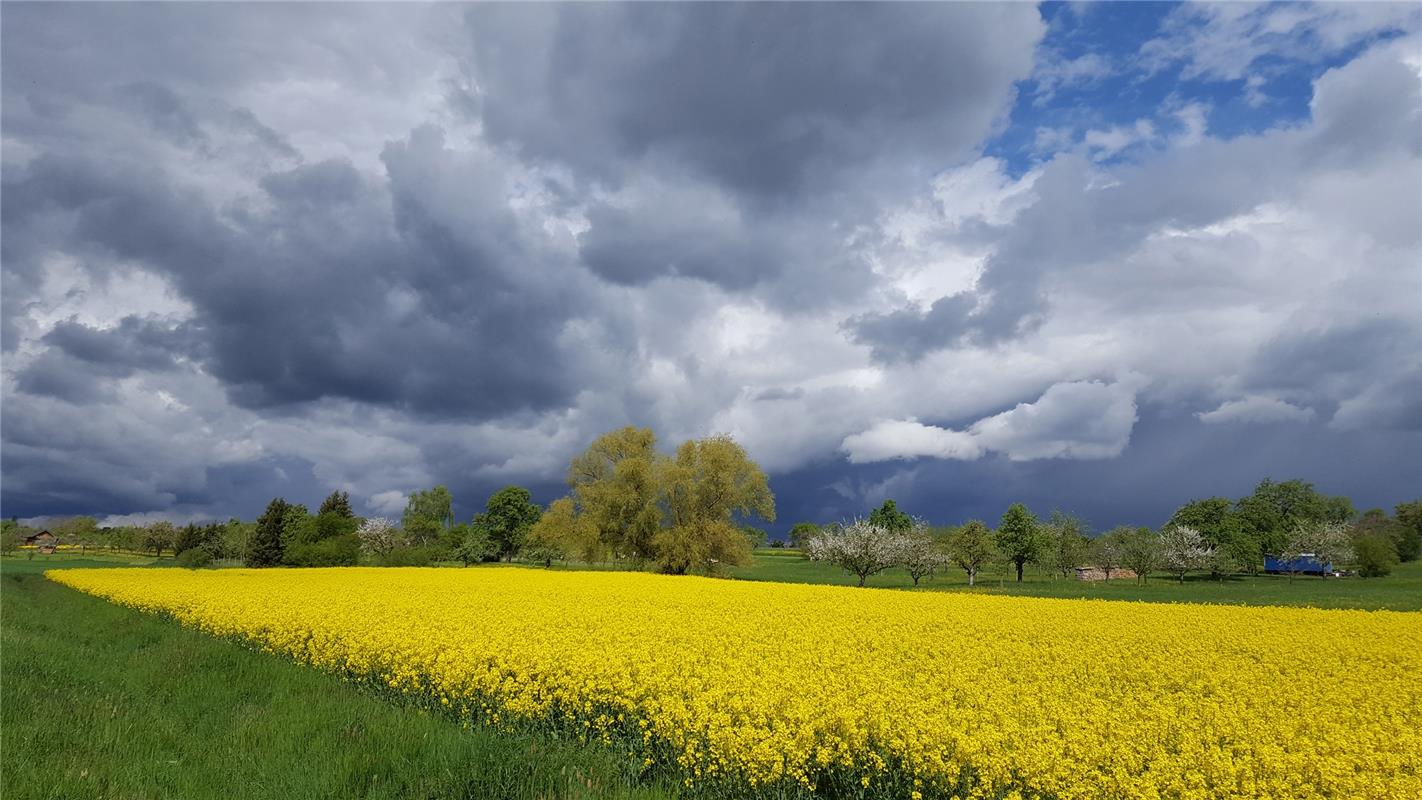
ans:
(799, 121)
(401, 245)
(631, 248)
(768, 99)
(294, 303)
(907, 334)
(1171, 460)
(54, 374)
(165, 111)
(244, 120)
(79, 357)
(135, 343)
(1352, 351)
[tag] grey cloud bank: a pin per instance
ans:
(289, 249)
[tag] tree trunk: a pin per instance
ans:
(970, 577)
(861, 579)
(1019, 571)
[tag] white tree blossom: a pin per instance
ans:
(919, 554)
(1328, 543)
(377, 535)
(1183, 549)
(860, 547)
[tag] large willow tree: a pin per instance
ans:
(615, 487)
(703, 487)
(679, 512)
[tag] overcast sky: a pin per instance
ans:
(1096, 258)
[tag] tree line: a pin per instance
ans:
(687, 511)
(628, 502)
(1289, 520)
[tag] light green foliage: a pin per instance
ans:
(543, 551)
(1409, 541)
(1376, 525)
(194, 558)
(189, 537)
(801, 533)
(1222, 561)
(1274, 510)
(615, 484)
(76, 531)
(508, 516)
(1236, 545)
(427, 515)
(889, 517)
(757, 537)
(1376, 555)
(1066, 545)
(638, 505)
(563, 533)
(330, 524)
(236, 535)
(707, 483)
(160, 536)
(970, 546)
(454, 540)
(1107, 551)
(341, 550)
(11, 536)
(1140, 552)
(1019, 537)
(297, 525)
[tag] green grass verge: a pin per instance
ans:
(1400, 591)
(102, 701)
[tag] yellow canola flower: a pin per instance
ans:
(744, 684)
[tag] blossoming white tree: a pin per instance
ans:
(860, 547)
(377, 535)
(919, 554)
(1328, 543)
(1183, 549)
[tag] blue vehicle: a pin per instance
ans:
(1304, 564)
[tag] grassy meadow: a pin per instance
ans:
(1400, 591)
(103, 701)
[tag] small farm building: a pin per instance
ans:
(44, 540)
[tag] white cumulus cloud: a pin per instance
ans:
(910, 438)
(1075, 420)
(1256, 408)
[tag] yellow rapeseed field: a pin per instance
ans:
(740, 685)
